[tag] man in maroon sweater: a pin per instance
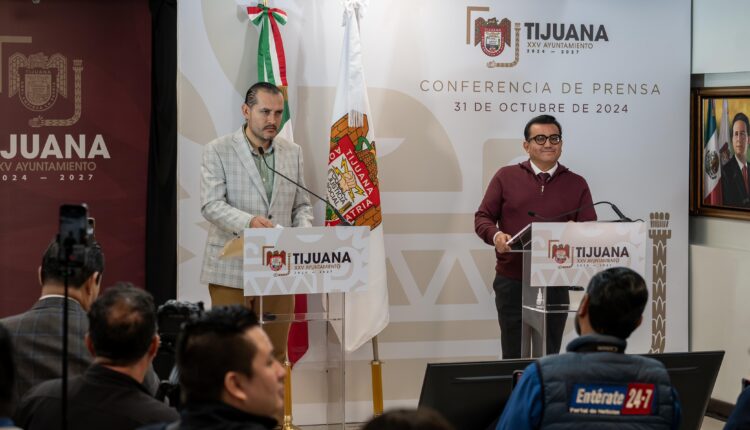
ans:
(547, 188)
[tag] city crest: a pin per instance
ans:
(493, 36)
(560, 253)
(275, 260)
(38, 80)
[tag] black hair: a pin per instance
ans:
(409, 419)
(741, 117)
(212, 345)
(617, 297)
(53, 270)
(541, 119)
(7, 373)
(251, 97)
(122, 324)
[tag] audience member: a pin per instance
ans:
(7, 375)
(37, 333)
(740, 417)
(595, 385)
(229, 376)
(406, 419)
(110, 394)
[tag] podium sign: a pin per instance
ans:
(569, 253)
(307, 260)
(563, 257)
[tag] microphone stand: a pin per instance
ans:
(615, 209)
(343, 221)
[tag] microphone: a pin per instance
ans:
(622, 217)
(341, 218)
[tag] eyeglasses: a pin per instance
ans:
(541, 139)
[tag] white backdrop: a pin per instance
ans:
(437, 153)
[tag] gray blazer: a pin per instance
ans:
(37, 342)
(232, 193)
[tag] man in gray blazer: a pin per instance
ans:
(37, 333)
(238, 191)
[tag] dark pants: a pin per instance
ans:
(508, 304)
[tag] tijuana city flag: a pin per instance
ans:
(725, 133)
(353, 186)
(271, 59)
(272, 69)
(711, 160)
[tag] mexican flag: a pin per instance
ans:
(272, 69)
(711, 160)
(353, 185)
(271, 59)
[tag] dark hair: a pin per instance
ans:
(122, 323)
(211, 346)
(7, 373)
(741, 117)
(409, 419)
(251, 97)
(52, 270)
(541, 119)
(617, 297)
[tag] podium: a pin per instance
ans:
(325, 261)
(559, 259)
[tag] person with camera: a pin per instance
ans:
(110, 394)
(229, 376)
(37, 333)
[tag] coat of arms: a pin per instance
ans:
(560, 253)
(494, 35)
(275, 260)
(39, 80)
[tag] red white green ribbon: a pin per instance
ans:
(271, 59)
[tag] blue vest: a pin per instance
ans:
(596, 386)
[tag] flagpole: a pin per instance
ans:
(287, 423)
(377, 379)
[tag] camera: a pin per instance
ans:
(76, 234)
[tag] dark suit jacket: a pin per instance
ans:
(101, 398)
(733, 185)
(37, 342)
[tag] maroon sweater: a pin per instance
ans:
(516, 190)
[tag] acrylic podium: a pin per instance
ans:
(326, 263)
(559, 259)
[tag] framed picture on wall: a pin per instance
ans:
(719, 169)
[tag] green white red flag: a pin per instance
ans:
(271, 59)
(272, 69)
(711, 160)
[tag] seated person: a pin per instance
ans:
(740, 417)
(37, 333)
(110, 395)
(408, 419)
(7, 376)
(228, 374)
(595, 384)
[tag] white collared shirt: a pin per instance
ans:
(537, 170)
(740, 163)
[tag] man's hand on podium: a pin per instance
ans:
(501, 242)
(260, 222)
